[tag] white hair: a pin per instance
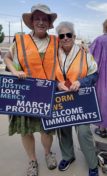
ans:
(66, 24)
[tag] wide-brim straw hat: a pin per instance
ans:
(27, 17)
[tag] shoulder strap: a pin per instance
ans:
(81, 63)
(24, 54)
(55, 51)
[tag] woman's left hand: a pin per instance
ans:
(75, 86)
(61, 86)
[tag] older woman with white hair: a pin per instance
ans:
(34, 55)
(76, 69)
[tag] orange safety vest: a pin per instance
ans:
(77, 69)
(31, 62)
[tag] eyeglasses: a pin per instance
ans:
(62, 36)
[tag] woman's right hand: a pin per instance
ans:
(75, 86)
(61, 86)
(19, 74)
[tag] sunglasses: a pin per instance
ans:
(68, 35)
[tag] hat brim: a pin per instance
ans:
(27, 18)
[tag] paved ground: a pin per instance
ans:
(13, 160)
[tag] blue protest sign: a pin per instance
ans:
(32, 97)
(74, 109)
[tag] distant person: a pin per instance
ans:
(40, 62)
(98, 49)
(77, 68)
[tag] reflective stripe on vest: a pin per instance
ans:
(77, 69)
(31, 61)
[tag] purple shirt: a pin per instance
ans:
(99, 50)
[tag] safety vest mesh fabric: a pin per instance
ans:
(73, 72)
(38, 67)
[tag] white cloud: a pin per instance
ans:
(100, 7)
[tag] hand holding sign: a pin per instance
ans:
(62, 86)
(75, 86)
(68, 83)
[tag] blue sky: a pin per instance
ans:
(87, 16)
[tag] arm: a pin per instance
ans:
(88, 80)
(9, 63)
(96, 49)
(8, 60)
(84, 82)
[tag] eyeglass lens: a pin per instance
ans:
(62, 36)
